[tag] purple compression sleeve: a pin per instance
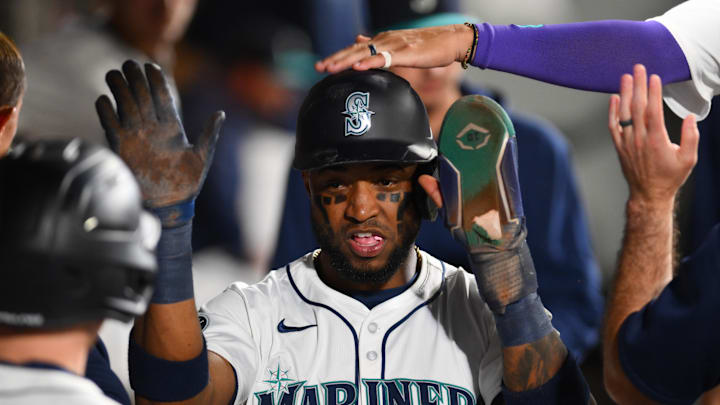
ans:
(587, 55)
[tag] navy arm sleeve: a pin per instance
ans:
(669, 349)
(588, 55)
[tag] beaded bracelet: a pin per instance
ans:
(470, 53)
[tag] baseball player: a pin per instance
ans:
(12, 87)
(76, 247)
(680, 46)
(369, 318)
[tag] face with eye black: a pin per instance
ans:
(365, 220)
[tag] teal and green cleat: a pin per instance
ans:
(478, 175)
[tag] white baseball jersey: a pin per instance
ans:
(293, 340)
(695, 24)
(31, 386)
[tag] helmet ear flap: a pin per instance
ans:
(425, 205)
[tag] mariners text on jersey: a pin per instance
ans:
(292, 340)
(391, 392)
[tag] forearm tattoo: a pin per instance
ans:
(532, 365)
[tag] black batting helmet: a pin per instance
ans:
(75, 242)
(362, 117)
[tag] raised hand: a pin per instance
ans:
(654, 167)
(421, 47)
(147, 133)
(480, 194)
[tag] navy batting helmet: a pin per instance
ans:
(75, 242)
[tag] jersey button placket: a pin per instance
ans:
(370, 342)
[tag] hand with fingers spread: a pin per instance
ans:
(423, 48)
(147, 133)
(653, 166)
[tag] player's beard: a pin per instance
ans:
(341, 263)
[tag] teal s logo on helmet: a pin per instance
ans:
(358, 117)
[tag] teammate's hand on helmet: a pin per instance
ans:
(147, 133)
(653, 166)
(421, 47)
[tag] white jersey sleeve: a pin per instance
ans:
(695, 25)
(476, 330)
(229, 332)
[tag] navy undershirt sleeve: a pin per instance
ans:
(587, 55)
(669, 349)
(98, 371)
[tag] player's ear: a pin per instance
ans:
(306, 180)
(5, 113)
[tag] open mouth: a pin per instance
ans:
(366, 244)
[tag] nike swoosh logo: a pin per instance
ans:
(282, 328)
